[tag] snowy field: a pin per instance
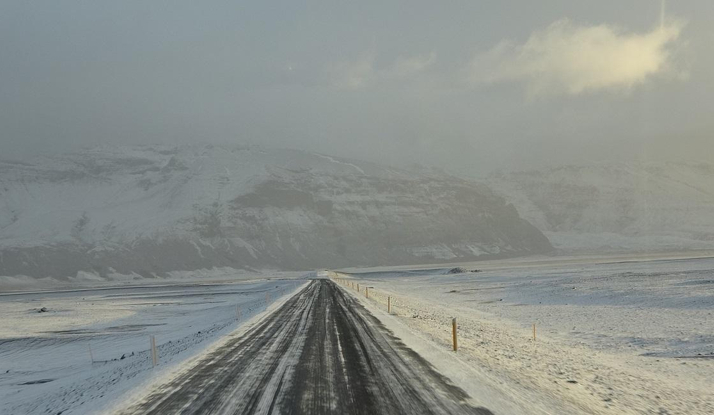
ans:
(612, 337)
(46, 365)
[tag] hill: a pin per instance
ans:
(149, 210)
(616, 207)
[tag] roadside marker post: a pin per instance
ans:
(366, 292)
(154, 355)
(91, 355)
(453, 332)
(389, 305)
(534, 332)
(357, 287)
(237, 313)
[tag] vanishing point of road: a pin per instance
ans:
(321, 352)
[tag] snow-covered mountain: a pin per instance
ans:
(615, 207)
(149, 210)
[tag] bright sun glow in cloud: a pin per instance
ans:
(566, 58)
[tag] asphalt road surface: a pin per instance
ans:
(320, 353)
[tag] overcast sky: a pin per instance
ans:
(471, 84)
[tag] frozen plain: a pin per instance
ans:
(45, 361)
(613, 335)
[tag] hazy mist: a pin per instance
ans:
(471, 86)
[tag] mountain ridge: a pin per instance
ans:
(154, 209)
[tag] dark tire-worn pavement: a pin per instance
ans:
(319, 353)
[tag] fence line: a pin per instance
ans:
(395, 306)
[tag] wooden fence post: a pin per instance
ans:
(453, 332)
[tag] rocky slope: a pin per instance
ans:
(615, 207)
(149, 210)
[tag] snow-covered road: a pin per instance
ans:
(321, 352)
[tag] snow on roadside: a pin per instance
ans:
(485, 388)
(45, 364)
(601, 372)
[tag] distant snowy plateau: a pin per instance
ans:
(617, 207)
(140, 212)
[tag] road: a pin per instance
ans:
(321, 352)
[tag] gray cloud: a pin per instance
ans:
(352, 74)
(376, 80)
(361, 72)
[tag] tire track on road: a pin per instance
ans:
(320, 353)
